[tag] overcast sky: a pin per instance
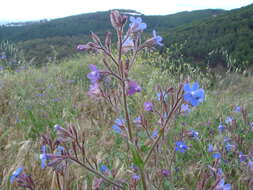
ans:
(40, 9)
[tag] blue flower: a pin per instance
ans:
(229, 147)
(219, 172)
(216, 155)
(242, 157)
(136, 24)
(15, 174)
(229, 120)
(237, 109)
(154, 134)
(157, 39)
(136, 177)
(193, 94)
(185, 108)
(104, 168)
(210, 148)
(148, 106)
(194, 134)
(116, 129)
(137, 121)
(181, 146)
(221, 128)
(222, 186)
(43, 156)
(119, 122)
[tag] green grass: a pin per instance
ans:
(32, 101)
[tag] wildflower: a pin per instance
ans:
(181, 146)
(43, 156)
(16, 174)
(229, 120)
(155, 133)
(242, 157)
(136, 24)
(165, 172)
(133, 87)
(185, 108)
(237, 109)
(94, 75)
(229, 147)
(222, 186)
(137, 121)
(118, 123)
(194, 134)
(104, 168)
(193, 95)
(127, 45)
(94, 90)
(81, 47)
(136, 177)
(219, 172)
(116, 129)
(157, 39)
(216, 155)
(221, 128)
(148, 106)
(210, 148)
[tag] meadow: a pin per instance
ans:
(65, 134)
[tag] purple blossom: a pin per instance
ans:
(242, 157)
(229, 120)
(181, 146)
(210, 148)
(148, 106)
(193, 94)
(94, 90)
(229, 147)
(133, 87)
(94, 75)
(165, 172)
(222, 186)
(237, 109)
(157, 39)
(185, 108)
(81, 47)
(43, 156)
(136, 177)
(16, 174)
(128, 43)
(136, 24)
(221, 128)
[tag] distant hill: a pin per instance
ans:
(98, 22)
(223, 39)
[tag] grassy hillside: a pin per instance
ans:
(33, 100)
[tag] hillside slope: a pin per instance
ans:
(217, 39)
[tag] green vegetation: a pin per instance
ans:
(225, 40)
(33, 100)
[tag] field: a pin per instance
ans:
(33, 100)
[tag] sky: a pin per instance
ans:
(28, 10)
